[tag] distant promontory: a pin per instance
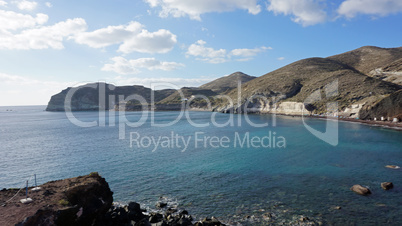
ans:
(365, 83)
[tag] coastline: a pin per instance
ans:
(88, 200)
(384, 124)
(85, 200)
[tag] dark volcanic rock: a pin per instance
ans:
(209, 222)
(161, 204)
(155, 218)
(87, 200)
(387, 185)
(168, 217)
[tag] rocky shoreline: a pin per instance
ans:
(85, 200)
(384, 124)
(88, 200)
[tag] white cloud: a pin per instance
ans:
(3, 3)
(23, 31)
(123, 66)
(281, 58)
(49, 5)
(305, 12)
(176, 82)
(133, 38)
(208, 54)
(43, 37)
(10, 20)
(248, 52)
(211, 55)
(161, 41)
(26, 5)
(350, 8)
(194, 8)
(17, 88)
(108, 36)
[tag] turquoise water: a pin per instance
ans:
(307, 177)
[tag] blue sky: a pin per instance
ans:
(46, 46)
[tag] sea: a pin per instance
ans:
(241, 169)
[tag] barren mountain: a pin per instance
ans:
(356, 81)
(187, 93)
(368, 58)
(229, 82)
(313, 80)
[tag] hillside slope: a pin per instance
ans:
(388, 107)
(368, 58)
(187, 93)
(226, 83)
(390, 73)
(310, 79)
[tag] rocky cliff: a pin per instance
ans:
(101, 96)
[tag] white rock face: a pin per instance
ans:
(291, 108)
(286, 108)
(352, 111)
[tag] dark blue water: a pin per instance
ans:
(230, 181)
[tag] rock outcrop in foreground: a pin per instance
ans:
(84, 200)
(81, 200)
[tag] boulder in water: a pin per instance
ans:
(209, 222)
(360, 190)
(161, 204)
(392, 166)
(387, 185)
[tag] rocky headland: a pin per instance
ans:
(85, 200)
(101, 96)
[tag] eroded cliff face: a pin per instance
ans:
(291, 108)
(352, 111)
(260, 107)
(388, 108)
